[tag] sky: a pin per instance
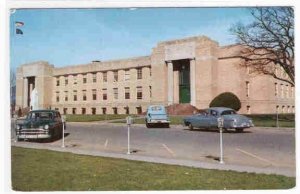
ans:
(78, 36)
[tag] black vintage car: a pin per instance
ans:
(40, 124)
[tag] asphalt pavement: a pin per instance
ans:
(262, 150)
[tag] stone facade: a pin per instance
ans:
(191, 70)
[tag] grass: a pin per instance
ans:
(90, 118)
(44, 170)
(286, 120)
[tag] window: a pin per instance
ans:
(84, 95)
(84, 79)
(247, 88)
(116, 76)
(75, 95)
(287, 91)
(139, 73)
(139, 110)
(57, 81)
(75, 79)
(94, 77)
(248, 110)
(115, 93)
(93, 111)
(94, 93)
(66, 80)
(127, 75)
(57, 96)
(127, 93)
(104, 94)
(276, 89)
(65, 111)
(283, 109)
(282, 92)
(115, 110)
(66, 96)
(139, 92)
(150, 91)
(126, 110)
(277, 109)
(83, 111)
(104, 111)
(104, 76)
(73, 111)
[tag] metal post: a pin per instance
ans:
(221, 146)
(128, 139)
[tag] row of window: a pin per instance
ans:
(115, 110)
(104, 77)
(285, 109)
(139, 94)
(286, 91)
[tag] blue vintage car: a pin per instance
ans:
(209, 119)
(40, 124)
(156, 115)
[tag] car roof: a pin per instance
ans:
(45, 110)
(219, 109)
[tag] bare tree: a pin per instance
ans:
(268, 42)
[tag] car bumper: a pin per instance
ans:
(158, 121)
(33, 134)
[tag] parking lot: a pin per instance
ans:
(257, 147)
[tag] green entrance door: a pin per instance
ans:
(184, 85)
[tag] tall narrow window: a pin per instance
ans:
(94, 77)
(65, 111)
(287, 91)
(94, 92)
(282, 90)
(247, 88)
(150, 91)
(66, 80)
(75, 79)
(139, 73)
(116, 76)
(83, 111)
(73, 111)
(115, 93)
(126, 110)
(75, 95)
(139, 92)
(104, 76)
(93, 111)
(104, 94)
(283, 109)
(57, 96)
(115, 110)
(276, 89)
(84, 79)
(66, 96)
(127, 93)
(104, 111)
(127, 75)
(84, 95)
(248, 109)
(57, 81)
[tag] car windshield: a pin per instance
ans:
(156, 108)
(228, 112)
(40, 116)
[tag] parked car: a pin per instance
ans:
(156, 115)
(40, 124)
(209, 119)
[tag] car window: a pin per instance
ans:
(40, 115)
(228, 112)
(156, 108)
(213, 113)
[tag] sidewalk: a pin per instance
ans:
(171, 161)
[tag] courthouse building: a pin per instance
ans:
(192, 70)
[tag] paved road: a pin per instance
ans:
(257, 147)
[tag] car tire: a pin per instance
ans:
(167, 125)
(191, 127)
(239, 130)
(147, 125)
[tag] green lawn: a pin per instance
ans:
(287, 120)
(89, 118)
(43, 170)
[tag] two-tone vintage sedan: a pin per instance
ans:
(209, 119)
(40, 124)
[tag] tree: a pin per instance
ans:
(268, 42)
(226, 99)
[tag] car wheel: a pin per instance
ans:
(191, 126)
(147, 125)
(167, 125)
(239, 130)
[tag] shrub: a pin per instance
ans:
(226, 99)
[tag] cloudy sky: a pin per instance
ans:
(77, 36)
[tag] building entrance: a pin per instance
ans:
(183, 68)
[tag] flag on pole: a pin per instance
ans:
(19, 24)
(18, 31)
